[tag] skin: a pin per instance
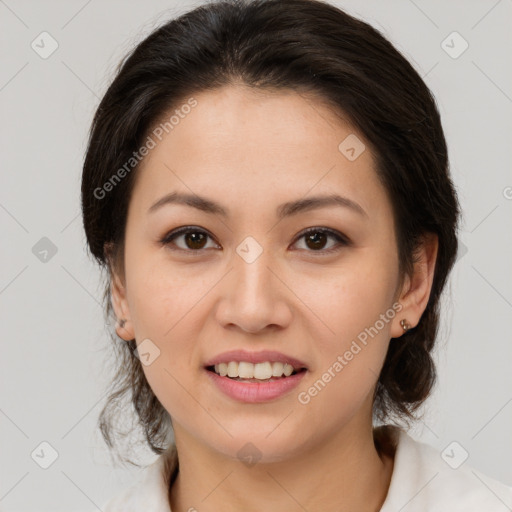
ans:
(251, 151)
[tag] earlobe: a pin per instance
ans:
(124, 329)
(417, 288)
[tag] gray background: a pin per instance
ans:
(54, 363)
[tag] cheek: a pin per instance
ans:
(163, 304)
(356, 311)
(160, 294)
(350, 298)
(354, 305)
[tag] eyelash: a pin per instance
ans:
(342, 240)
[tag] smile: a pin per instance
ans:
(261, 387)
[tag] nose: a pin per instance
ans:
(253, 297)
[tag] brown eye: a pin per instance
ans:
(316, 239)
(195, 240)
(190, 239)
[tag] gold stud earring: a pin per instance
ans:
(405, 325)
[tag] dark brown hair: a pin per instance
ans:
(306, 46)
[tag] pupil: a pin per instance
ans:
(317, 239)
(314, 240)
(195, 240)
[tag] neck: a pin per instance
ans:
(344, 473)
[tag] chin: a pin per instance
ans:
(257, 446)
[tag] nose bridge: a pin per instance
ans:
(253, 300)
(253, 276)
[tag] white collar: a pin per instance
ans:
(151, 493)
(421, 481)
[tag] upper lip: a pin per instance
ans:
(255, 357)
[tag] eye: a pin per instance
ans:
(316, 238)
(193, 239)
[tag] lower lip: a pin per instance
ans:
(256, 392)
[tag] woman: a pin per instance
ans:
(267, 185)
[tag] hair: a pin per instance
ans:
(309, 47)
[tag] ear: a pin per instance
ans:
(124, 326)
(416, 288)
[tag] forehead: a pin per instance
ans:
(259, 147)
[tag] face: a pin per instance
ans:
(251, 279)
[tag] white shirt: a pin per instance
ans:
(421, 481)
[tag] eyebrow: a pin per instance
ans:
(284, 210)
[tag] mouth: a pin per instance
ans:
(255, 383)
(255, 373)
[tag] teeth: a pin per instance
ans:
(232, 369)
(246, 370)
(221, 369)
(261, 371)
(277, 369)
(288, 369)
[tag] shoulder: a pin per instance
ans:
(151, 492)
(422, 480)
